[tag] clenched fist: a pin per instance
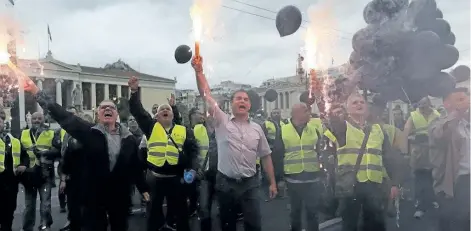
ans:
(197, 64)
(133, 84)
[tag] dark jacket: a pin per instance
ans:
(72, 160)
(8, 176)
(189, 159)
(100, 184)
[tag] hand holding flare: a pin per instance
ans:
(29, 85)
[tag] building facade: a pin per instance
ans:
(60, 80)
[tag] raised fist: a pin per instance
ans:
(133, 84)
(197, 63)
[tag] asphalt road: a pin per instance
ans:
(275, 217)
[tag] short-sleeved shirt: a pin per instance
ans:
(239, 145)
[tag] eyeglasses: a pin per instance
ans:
(107, 106)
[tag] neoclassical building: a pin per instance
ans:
(59, 80)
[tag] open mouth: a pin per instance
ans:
(242, 107)
(108, 114)
(165, 114)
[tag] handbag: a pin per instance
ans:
(347, 179)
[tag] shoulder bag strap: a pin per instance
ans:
(362, 149)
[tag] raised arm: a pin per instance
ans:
(205, 92)
(74, 125)
(143, 118)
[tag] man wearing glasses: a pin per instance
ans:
(112, 163)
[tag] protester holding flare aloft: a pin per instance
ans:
(112, 163)
(172, 154)
(240, 142)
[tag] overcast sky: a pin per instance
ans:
(144, 33)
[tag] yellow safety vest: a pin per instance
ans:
(391, 131)
(271, 129)
(201, 135)
(300, 152)
(63, 132)
(317, 123)
(15, 151)
(161, 148)
(420, 123)
(43, 143)
(371, 165)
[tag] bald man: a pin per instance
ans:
(301, 145)
(172, 150)
(43, 146)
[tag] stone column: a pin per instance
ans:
(59, 91)
(93, 95)
(118, 91)
(39, 83)
(107, 91)
(21, 104)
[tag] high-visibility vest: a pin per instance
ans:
(201, 135)
(371, 165)
(391, 131)
(161, 148)
(317, 123)
(43, 143)
(63, 132)
(420, 123)
(300, 152)
(331, 137)
(15, 151)
(271, 129)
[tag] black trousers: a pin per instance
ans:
(368, 201)
(304, 195)
(62, 198)
(73, 204)
(454, 212)
(8, 194)
(424, 194)
(173, 190)
(244, 192)
(207, 195)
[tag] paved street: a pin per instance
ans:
(275, 217)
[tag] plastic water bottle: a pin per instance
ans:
(188, 176)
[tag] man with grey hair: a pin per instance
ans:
(240, 142)
(112, 163)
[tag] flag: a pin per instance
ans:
(49, 33)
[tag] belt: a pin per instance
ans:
(236, 180)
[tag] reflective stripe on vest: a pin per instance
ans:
(371, 165)
(300, 153)
(43, 143)
(201, 135)
(15, 151)
(161, 148)
(271, 130)
(420, 123)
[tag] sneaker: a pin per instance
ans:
(419, 214)
(43, 228)
(436, 205)
(169, 228)
(66, 227)
(240, 216)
